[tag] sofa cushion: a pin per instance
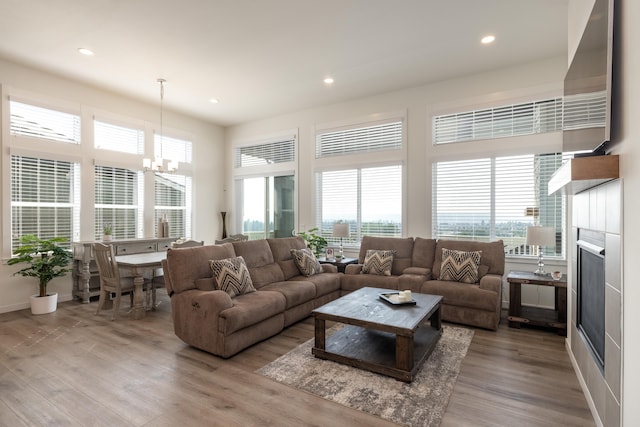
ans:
(424, 252)
(460, 266)
(281, 250)
(244, 313)
(403, 248)
(260, 262)
(295, 292)
(462, 294)
(378, 262)
(306, 261)
(232, 276)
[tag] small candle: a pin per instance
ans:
(403, 297)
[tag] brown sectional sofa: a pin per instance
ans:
(211, 320)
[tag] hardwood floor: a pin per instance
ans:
(72, 368)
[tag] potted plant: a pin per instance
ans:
(46, 260)
(315, 242)
(107, 231)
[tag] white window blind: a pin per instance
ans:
(486, 199)
(119, 196)
(113, 137)
(45, 198)
(378, 137)
(369, 199)
(499, 122)
(173, 199)
(44, 123)
(174, 149)
(281, 151)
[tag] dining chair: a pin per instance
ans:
(158, 277)
(110, 279)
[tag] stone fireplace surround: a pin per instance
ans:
(600, 209)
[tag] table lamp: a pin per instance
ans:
(340, 230)
(540, 236)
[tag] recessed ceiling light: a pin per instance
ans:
(328, 80)
(488, 39)
(214, 100)
(85, 51)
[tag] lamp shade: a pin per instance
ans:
(340, 229)
(541, 236)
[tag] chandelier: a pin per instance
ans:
(159, 164)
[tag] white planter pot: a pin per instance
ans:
(44, 305)
(106, 238)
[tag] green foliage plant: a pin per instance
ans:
(315, 241)
(46, 259)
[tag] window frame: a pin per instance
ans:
(359, 160)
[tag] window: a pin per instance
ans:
(486, 199)
(281, 151)
(368, 199)
(265, 185)
(267, 206)
(113, 137)
(119, 198)
(173, 149)
(173, 199)
(362, 192)
(44, 123)
(44, 198)
(504, 121)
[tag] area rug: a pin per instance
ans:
(420, 403)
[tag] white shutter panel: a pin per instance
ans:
(173, 199)
(118, 201)
(44, 123)
(113, 137)
(379, 137)
(44, 198)
(265, 153)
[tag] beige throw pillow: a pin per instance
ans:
(232, 276)
(306, 261)
(378, 262)
(460, 266)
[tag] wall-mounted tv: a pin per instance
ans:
(588, 85)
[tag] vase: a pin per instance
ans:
(44, 305)
(224, 225)
(106, 237)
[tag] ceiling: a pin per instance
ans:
(263, 58)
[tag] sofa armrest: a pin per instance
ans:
(329, 268)
(418, 270)
(491, 282)
(353, 269)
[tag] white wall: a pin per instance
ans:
(531, 82)
(208, 167)
(627, 112)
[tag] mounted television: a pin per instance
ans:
(588, 85)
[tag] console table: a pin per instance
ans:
(86, 281)
(519, 315)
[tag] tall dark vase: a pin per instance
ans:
(224, 225)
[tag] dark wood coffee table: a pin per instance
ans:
(392, 340)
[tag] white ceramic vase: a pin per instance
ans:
(44, 305)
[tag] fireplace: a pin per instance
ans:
(590, 312)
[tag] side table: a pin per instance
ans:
(518, 315)
(342, 264)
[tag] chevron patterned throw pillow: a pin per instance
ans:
(232, 276)
(460, 266)
(378, 262)
(306, 261)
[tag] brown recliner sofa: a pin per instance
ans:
(416, 267)
(211, 320)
